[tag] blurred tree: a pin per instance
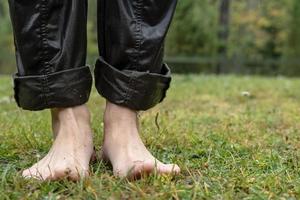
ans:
(223, 35)
(294, 33)
(258, 35)
(292, 53)
(194, 29)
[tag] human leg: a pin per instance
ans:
(50, 41)
(131, 75)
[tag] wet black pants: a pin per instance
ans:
(51, 40)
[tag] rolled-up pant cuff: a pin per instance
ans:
(133, 89)
(60, 89)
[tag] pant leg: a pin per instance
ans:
(50, 42)
(130, 70)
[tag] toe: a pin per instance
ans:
(61, 173)
(174, 168)
(32, 174)
(27, 173)
(137, 171)
(120, 173)
(76, 175)
(68, 173)
(168, 169)
(144, 169)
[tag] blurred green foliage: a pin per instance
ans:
(264, 37)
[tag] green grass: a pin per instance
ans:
(229, 145)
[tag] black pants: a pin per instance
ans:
(50, 40)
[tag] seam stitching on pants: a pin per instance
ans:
(43, 31)
(138, 40)
(138, 33)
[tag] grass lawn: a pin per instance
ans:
(233, 137)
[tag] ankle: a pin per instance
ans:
(79, 112)
(120, 125)
(116, 114)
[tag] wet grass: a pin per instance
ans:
(233, 137)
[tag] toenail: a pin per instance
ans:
(68, 171)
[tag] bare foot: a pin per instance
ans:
(72, 149)
(124, 148)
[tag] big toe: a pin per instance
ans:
(168, 169)
(146, 168)
(32, 173)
